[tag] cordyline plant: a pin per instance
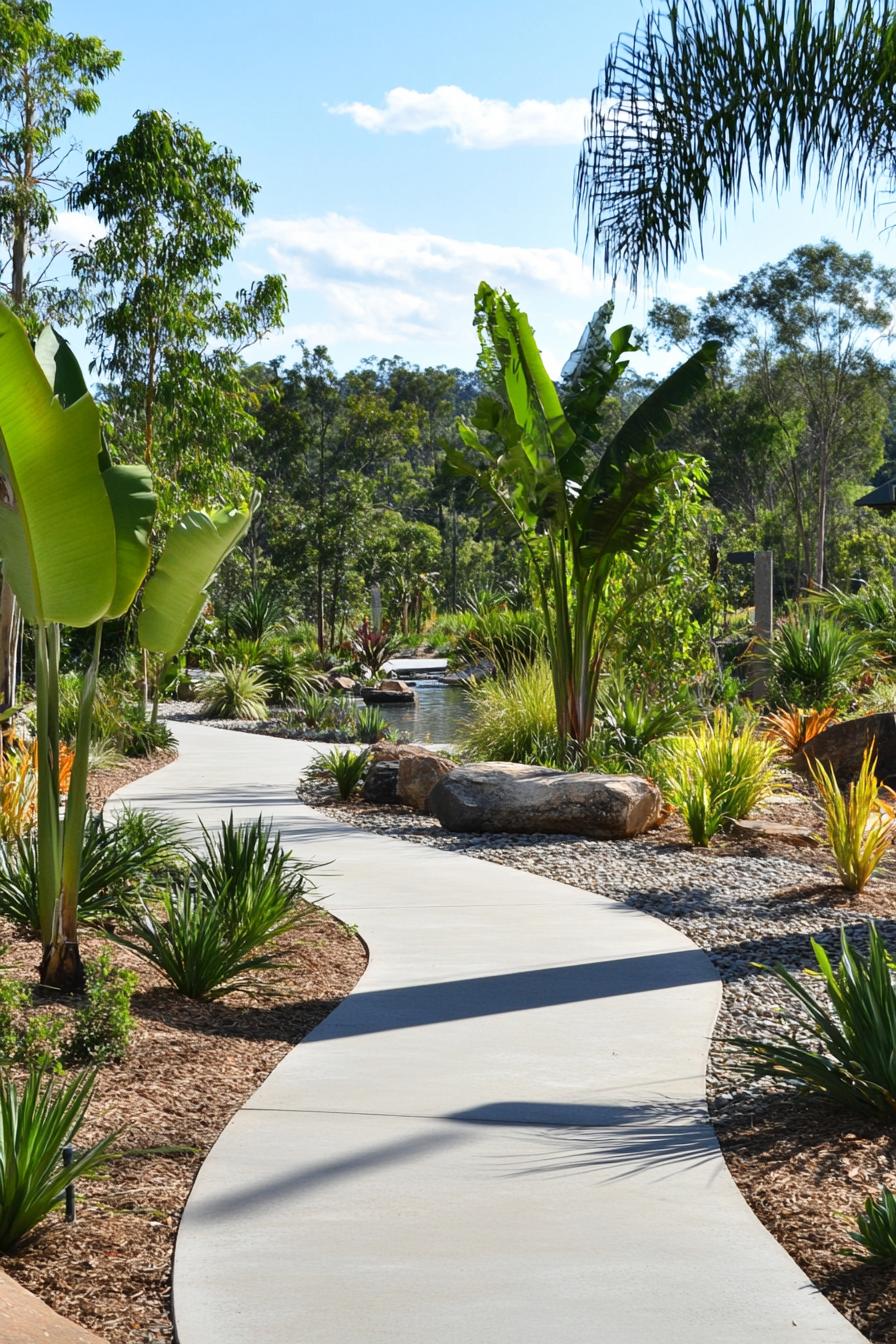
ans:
(373, 648)
(74, 542)
(576, 499)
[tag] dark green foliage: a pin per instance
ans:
(36, 1121)
(286, 672)
(630, 722)
(122, 860)
(257, 613)
(876, 1228)
(343, 766)
(815, 660)
(104, 1025)
(843, 1047)
(370, 725)
(871, 612)
(318, 710)
(217, 928)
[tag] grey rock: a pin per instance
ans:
(381, 783)
(500, 797)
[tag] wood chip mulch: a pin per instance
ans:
(189, 1068)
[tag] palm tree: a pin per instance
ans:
(704, 102)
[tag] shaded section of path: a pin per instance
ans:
(499, 1138)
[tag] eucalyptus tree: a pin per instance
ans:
(45, 77)
(577, 500)
(75, 548)
(173, 207)
(705, 102)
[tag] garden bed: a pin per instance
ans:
(805, 1167)
(189, 1067)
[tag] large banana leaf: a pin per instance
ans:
(133, 503)
(57, 535)
(174, 596)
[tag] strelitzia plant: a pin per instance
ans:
(75, 546)
(531, 446)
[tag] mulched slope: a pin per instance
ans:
(804, 1167)
(190, 1066)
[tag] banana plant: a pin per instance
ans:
(75, 547)
(576, 499)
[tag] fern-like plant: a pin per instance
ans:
(860, 824)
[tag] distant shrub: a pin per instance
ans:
(235, 691)
(507, 639)
(815, 660)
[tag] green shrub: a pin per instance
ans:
(843, 1047)
(218, 925)
(876, 1228)
(286, 672)
(248, 876)
(196, 947)
(31, 1039)
(716, 774)
(259, 612)
(104, 1025)
(871, 611)
(315, 710)
(630, 722)
(122, 861)
(370, 725)
(513, 718)
(36, 1122)
(505, 638)
(121, 726)
(344, 767)
(235, 691)
(815, 660)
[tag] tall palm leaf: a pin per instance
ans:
(705, 101)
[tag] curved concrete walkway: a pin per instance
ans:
(498, 1138)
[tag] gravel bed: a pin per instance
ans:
(731, 906)
(185, 711)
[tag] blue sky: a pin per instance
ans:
(383, 229)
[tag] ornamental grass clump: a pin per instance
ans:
(344, 767)
(36, 1122)
(859, 824)
(370, 725)
(220, 925)
(235, 691)
(716, 774)
(513, 718)
(876, 1228)
(843, 1047)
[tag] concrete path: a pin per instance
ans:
(498, 1138)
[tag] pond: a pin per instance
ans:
(437, 715)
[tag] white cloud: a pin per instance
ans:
(472, 122)
(75, 228)
(335, 247)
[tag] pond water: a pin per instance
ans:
(437, 715)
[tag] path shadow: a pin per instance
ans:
(615, 1143)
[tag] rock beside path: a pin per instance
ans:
(416, 772)
(527, 799)
(842, 746)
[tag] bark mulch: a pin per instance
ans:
(189, 1068)
(102, 784)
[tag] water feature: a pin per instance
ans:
(437, 715)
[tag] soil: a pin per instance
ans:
(189, 1067)
(101, 784)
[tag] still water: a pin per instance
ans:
(437, 715)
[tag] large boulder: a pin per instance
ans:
(418, 775)
(530, 799)
(842, 746)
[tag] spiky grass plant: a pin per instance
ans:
(718, 773)
(37, 1120)
(513, 718)
(344, 767)
(246, 873)
(845, 1047)
(370, 725)
(793, 727)
(815, 660)
(859, 823)
(631, 721)
(876, 1228)
(235, 691)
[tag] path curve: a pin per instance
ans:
(499, 1138)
